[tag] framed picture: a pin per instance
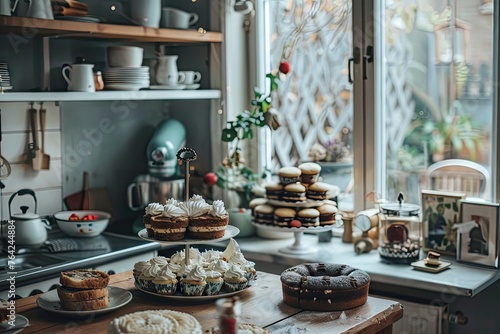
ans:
(478, 233)
(440, 215)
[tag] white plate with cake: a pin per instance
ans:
(230, 232)
(118, 297)
(20, 323)
(179, 296)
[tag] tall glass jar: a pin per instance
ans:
(400, 233)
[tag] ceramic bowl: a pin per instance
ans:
(125, 56)
(82, 228)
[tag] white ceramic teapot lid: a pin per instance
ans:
(24, 215)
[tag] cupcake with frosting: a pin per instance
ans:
(151, 210)
(193, 284)
(161, 261)
(214, 283)
(138, 268)
(220, 266)
(175, 268)
(178, 257)
(147, 276)
(234, 279)
(165, 283)
(237, 258)
(250, 272)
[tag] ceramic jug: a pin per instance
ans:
(80, 77)
(40, 9)
(6, 8)
(28, 228)
(167, 72)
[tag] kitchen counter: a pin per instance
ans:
(43, 265)
(262, 305)
(459, 280)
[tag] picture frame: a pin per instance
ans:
(478, 234)
(440, 215)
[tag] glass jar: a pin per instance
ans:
(228, 311)
(400, 233)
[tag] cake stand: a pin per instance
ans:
(298, 247)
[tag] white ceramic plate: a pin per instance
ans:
(130, 87)
(294, 229)
(20, 321)
(230, 232)
(167, 87)
(118, 297)
(193, 86)
(178, 295)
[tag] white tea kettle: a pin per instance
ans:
(80, 77)
(28, 228)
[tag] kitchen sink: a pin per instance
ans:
(25, 262)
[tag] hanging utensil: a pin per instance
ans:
(36, 159)
(45, 163)
(5, 169)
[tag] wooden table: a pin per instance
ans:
(262, 305)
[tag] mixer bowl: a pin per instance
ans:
(149, 189)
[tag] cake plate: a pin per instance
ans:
(298, 247)
(231, 231)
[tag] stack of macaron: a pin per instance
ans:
(297, 200)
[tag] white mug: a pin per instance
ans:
(191, 77)
(80, 77)
(6, 8)
(176, 18)
(146, 13)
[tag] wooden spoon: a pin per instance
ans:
(45, 157)
(37, 160)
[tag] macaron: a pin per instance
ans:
(308, 217)
(289, 175)
(294, 192)
(274, 191)
(256, 201)
(284, 216)
(309, 172)
(318, 191)
(264, 214)
(327, 213)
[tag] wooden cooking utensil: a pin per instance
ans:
(37, 159)
(79, 200)
(45, 164)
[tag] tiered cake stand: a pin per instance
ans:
(299, 245)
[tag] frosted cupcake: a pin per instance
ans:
(161, 261)
(194, 283)
(234, 279)
(214, 283)
(237, 258)
(175, 268)
(166, 282)
(250, 273)
(138, 268)
(148, 274)
(219, 265)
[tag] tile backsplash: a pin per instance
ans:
(16, 135)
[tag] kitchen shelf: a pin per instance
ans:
(60, 28)
(110, 95)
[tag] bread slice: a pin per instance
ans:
(84, 279)
(72, 294)
(84, 305)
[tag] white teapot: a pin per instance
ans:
(26, 227)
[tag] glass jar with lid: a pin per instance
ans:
(400, 232)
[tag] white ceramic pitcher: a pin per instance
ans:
(167, 72)
(80, 77)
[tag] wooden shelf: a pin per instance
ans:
(60, 28)
(110, 95)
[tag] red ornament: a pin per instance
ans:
(295, 223)
(210, 179)
(397, 233)
(284, 67)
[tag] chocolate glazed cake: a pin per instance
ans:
(324, 287)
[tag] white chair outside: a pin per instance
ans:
(458, 175)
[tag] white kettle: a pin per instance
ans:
(80, 77)
(26, 227)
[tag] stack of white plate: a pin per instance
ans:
(4, 77)
(126, 78)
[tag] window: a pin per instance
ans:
(424, 92)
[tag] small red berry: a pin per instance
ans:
(210, 179)
(295, 223)
(284, 67)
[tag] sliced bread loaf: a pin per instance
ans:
(84, 279)
(72, 294)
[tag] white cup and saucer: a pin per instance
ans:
(191, 79)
